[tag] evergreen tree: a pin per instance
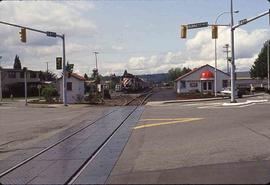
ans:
(17, 63)
(86, 76)
(174, 73)
(259, 68)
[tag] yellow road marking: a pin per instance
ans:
(164, 119)
(177, 120)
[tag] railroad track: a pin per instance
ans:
(107, 126)
(140, 100)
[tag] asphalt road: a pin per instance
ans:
(22, 127)
(203, 142)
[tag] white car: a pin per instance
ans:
(227, 92)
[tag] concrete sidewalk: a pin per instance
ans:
(200, 100)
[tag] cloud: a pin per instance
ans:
(67, 18)
(118, 48)
(83, 36)
(200, 51)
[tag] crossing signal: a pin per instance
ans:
(183, 31)
(214, 32)
(23, 35)
(58, 63)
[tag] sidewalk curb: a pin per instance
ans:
(199, 100)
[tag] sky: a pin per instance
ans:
(142, 36)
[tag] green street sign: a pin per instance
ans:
(197, 25)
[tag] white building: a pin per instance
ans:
(75, 88)
(202, 80)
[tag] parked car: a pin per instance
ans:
(227, 92)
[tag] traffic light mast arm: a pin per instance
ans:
(31, 29)
(245, 21)
(49, 34)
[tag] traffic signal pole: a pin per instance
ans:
(49, 34)
(232, 62)
(233, 27)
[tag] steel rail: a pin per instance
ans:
(74, 133)
(80, 170)
(51, 146)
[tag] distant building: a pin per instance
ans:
(75, 88)
(202, 80)
(244, 80)
(11, 78)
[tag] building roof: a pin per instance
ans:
(196, 69)
(243, 75)
(79, 77)
(75, 75)
(16, 70)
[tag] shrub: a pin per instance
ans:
(49, 92)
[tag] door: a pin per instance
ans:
(207, 86)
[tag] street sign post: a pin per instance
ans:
(197, 25)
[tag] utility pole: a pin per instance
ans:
(226, 47)
(25, 85)
(47, 66)
(268, 75)
(47, 71)
(1, 96)
(95, 52)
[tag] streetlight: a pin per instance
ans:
(216, 49)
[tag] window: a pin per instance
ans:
(225, 83)
(69, 86)
(209, 85)
(33, 75)
(204, 86)
(193, 84)
(21, 74)
(12, 74)
(183, 84)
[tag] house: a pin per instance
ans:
(202, 80)
(75, 88)
(13, 79)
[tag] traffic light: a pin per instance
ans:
(183, 31)
(23, 35)
(58, 63)
(214, 32)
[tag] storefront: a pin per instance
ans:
(202, 80)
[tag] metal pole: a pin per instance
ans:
(64, 73)
(1, 97)
(215, 67)
(25, 86)
(96, 59)
(227, 55)
(47, 71)
(232, 62)
(268, 75)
